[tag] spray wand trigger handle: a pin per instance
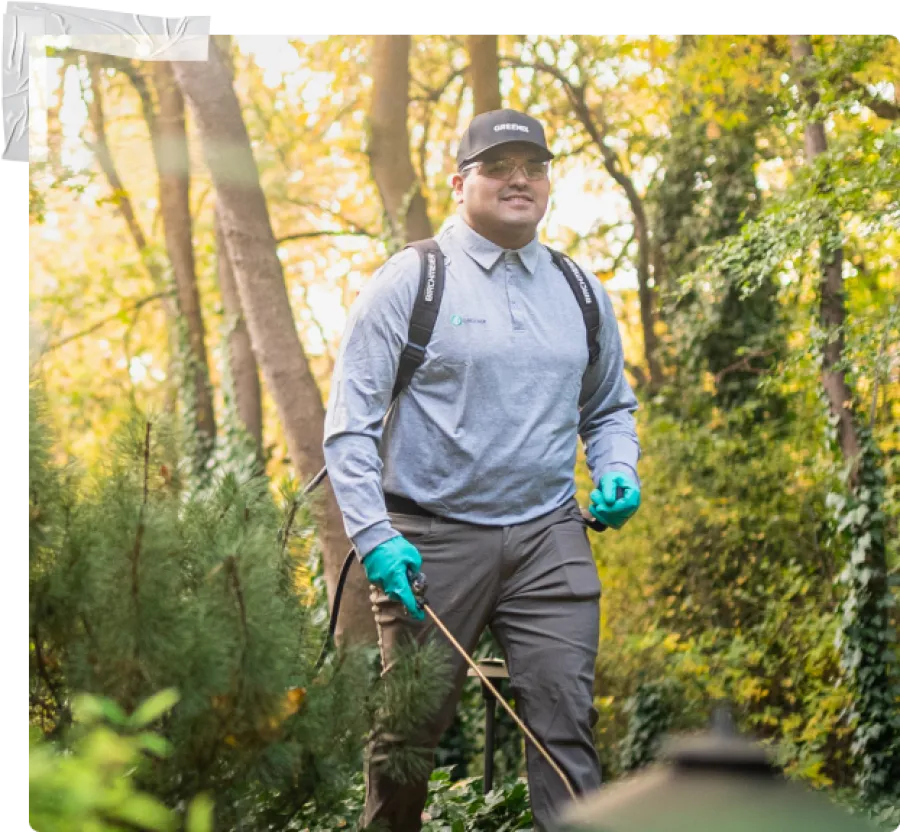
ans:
(418, 583)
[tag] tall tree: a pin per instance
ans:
(165, 118)
(242, 366)
(485, 69)
(867, 645)
(103, 154)
(250, 243)
(832, 311)
(405, 208)
(170, 146)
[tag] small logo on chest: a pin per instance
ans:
(458, 320)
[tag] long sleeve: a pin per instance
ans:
(607, 402)
(360, 395)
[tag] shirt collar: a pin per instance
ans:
(486, 253)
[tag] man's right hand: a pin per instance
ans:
(386, 567)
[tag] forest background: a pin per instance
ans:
(197, 232)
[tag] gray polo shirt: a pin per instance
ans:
(486, 432)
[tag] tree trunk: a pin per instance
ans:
(832, 313)
(389, 157)
(250, 244)
(241, 361)
(104, 157)
(868, 644)
(171, 150)
(485, 69)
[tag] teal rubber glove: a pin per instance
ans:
(611, 510)
(386, 567)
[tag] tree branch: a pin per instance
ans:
(566, 154)
(623, 251)
(231, 567)
(104, 157)
(422, 153)
(881, 107)
(351, 224)
(744, 364)
(121, 198)
(321, 330)
(308, 235)
(434, 94)
(115, 316)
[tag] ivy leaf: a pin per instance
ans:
(200, 814)
(91, 709)
(154, 707)
(155, 744)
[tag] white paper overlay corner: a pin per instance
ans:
(28, 28)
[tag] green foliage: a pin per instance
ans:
(839, 201)
(145, 585)
(91, 785)
(451, 806)
(857, 178)
(708, 190)
(734, 595)
(408, 696)
(461, 806)
(650, 713)
(867, 638)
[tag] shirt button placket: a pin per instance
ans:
(509, 259)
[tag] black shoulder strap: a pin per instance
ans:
(586, 298)
(425, 311)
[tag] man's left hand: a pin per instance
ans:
(609, 509)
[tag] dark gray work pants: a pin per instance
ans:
(536, 586)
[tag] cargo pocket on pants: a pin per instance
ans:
(574, 551)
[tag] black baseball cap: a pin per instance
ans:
(497, 127)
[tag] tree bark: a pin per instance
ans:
(485, 68)
(169, 137)
(250, 243)
(241, 361)
(389, 155)
(831, 311)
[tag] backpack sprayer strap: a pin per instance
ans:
(421, 326)
(424, 314)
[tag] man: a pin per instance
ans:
(471, 475)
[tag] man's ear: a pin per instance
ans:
(456, 182)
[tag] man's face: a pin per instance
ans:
(505, 208)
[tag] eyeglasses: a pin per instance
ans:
(504, 169)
